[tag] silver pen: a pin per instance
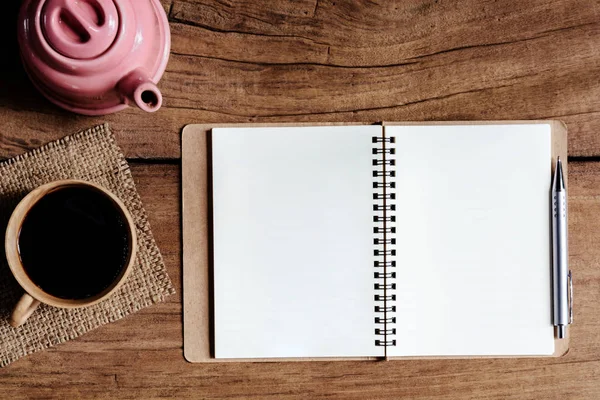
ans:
(560, 268)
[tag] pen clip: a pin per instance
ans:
(570, 281)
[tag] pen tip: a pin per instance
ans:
(558, 181)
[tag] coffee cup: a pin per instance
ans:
(68, 244)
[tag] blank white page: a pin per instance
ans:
(293, 241)
(473, 234)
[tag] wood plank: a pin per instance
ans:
(326, 60)
(141, 356)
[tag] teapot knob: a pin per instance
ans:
(80, 29)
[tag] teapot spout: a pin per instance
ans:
(136, 88)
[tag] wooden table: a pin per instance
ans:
(331, 60)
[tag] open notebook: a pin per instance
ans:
(372, 241)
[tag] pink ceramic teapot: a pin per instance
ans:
(95, 57)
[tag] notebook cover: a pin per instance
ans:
(197, 264)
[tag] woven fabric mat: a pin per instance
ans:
(90, 155)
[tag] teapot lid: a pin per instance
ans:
(80, 29)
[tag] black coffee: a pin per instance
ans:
(74, 242)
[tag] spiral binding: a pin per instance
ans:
(384, 275)
(391, 297)
(385, 331)
(384, 264)
(384, 216)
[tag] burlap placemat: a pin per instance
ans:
(90, 155)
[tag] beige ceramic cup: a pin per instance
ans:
(34, 295)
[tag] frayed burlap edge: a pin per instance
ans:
(94, 156)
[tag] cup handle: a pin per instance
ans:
(23, 310)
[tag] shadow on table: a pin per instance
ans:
(10, 291)
(16, 91)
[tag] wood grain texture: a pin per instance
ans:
(141, 356)
(332, 60)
